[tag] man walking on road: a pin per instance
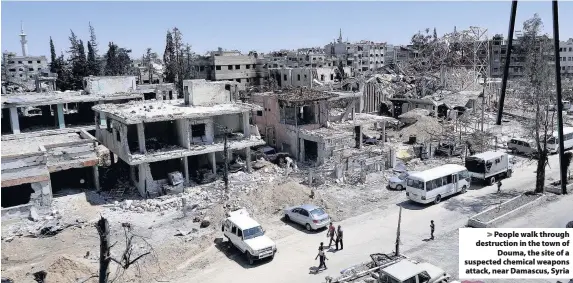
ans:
(499, 186)
(432, 227)
(322, 257)
(331, 233)
(339, 238)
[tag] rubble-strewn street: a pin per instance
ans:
(172, 159)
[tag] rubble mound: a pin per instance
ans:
(413, 115)
(424, 129)
(270, 200)
(64, 269)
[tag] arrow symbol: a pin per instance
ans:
(488, 234)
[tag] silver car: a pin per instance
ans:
(310, 216)
(398, 182)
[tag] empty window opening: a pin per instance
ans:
(6, 128)
(118, 135)
(160, 135)
(306, 115)
(200, 168)
(230, 67)
(198, 133)
(132, 138)
(16, 195)
(218, 68)
(170, 95)
(288, 115)
(39, 118)
(298, 77)
(79, 114)
(161, 169)
(259, 113)
(310, 150)
(332, 77)
(248, 66)
(285, 77)
(108, 125)
(237, 67)
(71, 179)
(149, 95)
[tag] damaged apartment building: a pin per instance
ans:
(168, 144)
(48, 143)
(315, 126)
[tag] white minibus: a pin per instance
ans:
(434, 184)
(553, 144)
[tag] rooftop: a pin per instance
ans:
(243, 221)
(58, 97)
(155, 111)
(32, 144)
(403, 270)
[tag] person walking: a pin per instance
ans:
(499, 186)
(323, 259)
(331, 233)
(339, 238)
(321, 247)
(432, 227)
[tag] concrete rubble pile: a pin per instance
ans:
(40, 226)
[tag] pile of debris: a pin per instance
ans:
(38, 226)
(424, 129)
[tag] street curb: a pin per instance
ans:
(557, 189)
(492, 223)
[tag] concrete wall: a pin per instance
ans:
(209, 130)
(109, 139)
(232, 122)
(109, 85)
(205, 93)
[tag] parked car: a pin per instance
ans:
(522, 146)
(248, 236)
(398, 182)
(310, 216)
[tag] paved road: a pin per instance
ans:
(366, 234)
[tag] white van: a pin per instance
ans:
(523, 146)
(553, 142)
(434, 184)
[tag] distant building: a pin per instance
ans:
(22, 70)
(362, 56)
(224, 65)
(304, 76)
(566, 55)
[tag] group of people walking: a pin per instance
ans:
(335, 236)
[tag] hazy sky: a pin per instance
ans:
(261, 26)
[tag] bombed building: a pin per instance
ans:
(168, 143)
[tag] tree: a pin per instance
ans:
(168, 58)
(435, 37)
(111, 61)
(538, 95)
(53, 58)
(93, 63)
(147, 61)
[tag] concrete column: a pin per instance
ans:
(213, 162)
(301, 150)
(101, 116)
(14, 120)
(141, 138)
(60, 113)
(96, 177)
(248, 159)
(141, 176)
(383, 132)
(246, 125)
(186, 169)
(353, 109)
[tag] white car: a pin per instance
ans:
(398, 182)
(248, 236)
(406, 271)
(310, 216)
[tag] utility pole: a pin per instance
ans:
(507, 58)
(398, 233)
(559, 97)
(226, 166)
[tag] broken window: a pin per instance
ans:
(248, 66)
(230, 67)
(288, 115)
(198, 133)
(238, 80)
(331, 77)
(12, 70)
(218, 68)
(38, 62)
(259, 113)
(298, 77)
(30, 69)
(228, 87)
(306, 115)
(322, 78)
(285, 77)
(29, 62)
(19, 62)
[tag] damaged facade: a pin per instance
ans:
(305, 77)
(47, 144)
(166, 144)
(302, 123)
(224, 65)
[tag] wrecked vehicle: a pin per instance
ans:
(248, 236)
(448, 149)
(270, 154)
